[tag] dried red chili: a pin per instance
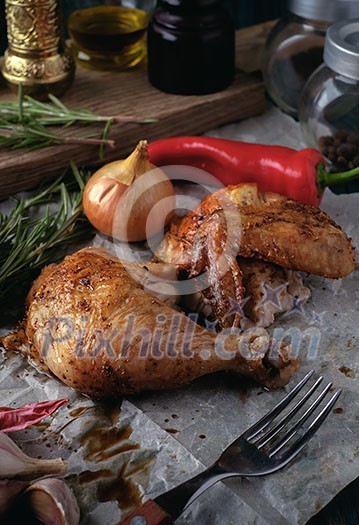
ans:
(300, 175)
(13, 419)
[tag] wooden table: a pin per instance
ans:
(129, 93)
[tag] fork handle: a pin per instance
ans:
(148, 514)
(173, 502)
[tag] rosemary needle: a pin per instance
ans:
(28, 243)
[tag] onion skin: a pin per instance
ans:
(134, 207)
(119, 197)
(102, 194)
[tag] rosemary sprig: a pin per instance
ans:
(36, 136)
(23, 124)
(55, 113)
(28, 243)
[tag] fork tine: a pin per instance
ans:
(299, 444)
(268, 436)
(288, 436)
(268, 418)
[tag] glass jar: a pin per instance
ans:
(191, 47)
(329, 104)
(294, 48)
(109, 35)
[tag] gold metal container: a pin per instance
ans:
(37, 55)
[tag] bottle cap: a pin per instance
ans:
(325, 10)
(341, 48)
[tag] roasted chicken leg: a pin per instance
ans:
(93, 326)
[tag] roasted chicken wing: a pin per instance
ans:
(283, 231)
(241, 221)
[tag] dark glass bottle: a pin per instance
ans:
(191, 47)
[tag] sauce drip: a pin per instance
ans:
(103, 443)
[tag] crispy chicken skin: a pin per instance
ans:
(273, 228)
(95, 328)
(241, 221)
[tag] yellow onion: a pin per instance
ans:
(119, 197)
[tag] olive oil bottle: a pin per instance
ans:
(108, 36)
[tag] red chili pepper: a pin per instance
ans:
(300, 175)
(13, 419)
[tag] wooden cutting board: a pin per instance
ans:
(129, 93)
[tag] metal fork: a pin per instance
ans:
(264, 448)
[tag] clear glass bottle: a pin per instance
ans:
(109, 34)
(329, 104)
(294, 48)
(191, 47)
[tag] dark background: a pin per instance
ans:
(249, 12)
(244, 12)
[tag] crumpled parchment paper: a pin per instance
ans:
(142, 446)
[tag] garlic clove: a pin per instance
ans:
(52, 502)
(15, 464)
(9, 489)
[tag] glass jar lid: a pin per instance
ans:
(325, 10)
(341, 48)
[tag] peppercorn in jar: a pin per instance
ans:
(329, 104)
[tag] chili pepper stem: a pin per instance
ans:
(326, 179)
